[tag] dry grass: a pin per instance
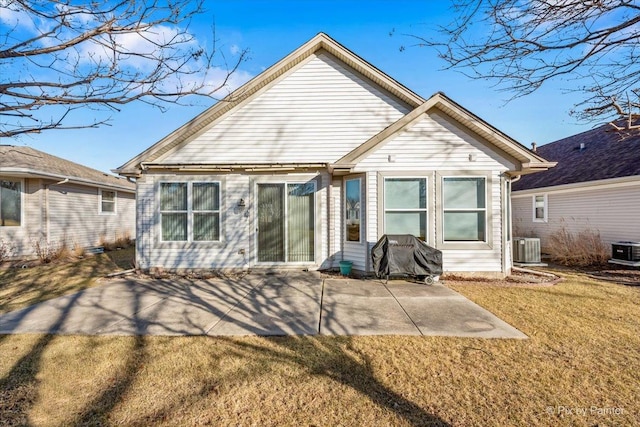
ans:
(21, 287)
(121, 241)
(123, 258)
(578, 250)
(582, 353)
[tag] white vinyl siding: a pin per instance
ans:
(611, 211)
(237, 245)
(435, 146)
(434, 142)
(73, 217)
(67, 214)
(335, 224)
(316, 114)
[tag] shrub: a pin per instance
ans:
(6, 250)
(580, 250)
(122, 241)
(49, 251)
(78, 251)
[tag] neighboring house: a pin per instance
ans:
(271, 175)
(595, 187)
(53, 201)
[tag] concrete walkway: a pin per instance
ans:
(287, 303)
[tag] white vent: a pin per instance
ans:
(526, 249)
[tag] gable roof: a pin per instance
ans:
(29, 162)
(246, 92)
(606, 154)
(530, 161)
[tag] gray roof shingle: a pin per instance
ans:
(606, 154)
(16, 158)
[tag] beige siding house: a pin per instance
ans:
(595, 186)
(312, 161)
(53, 201)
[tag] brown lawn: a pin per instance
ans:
(581, 366)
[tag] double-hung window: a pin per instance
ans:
(107, 202)
(190, 211)
(540, 208)
(405, 206)
(464, 209)
(10, 203)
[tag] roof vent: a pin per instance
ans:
(534, 147)
(582, 147)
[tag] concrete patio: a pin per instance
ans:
(286, 303)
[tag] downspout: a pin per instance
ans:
(330, 220)
(510, 223)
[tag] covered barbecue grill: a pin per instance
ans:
(404, 254)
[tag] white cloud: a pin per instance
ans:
(234, 49)
(18, 19)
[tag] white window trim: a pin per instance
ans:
(22, 193)
(344, 210)
(286, 228)
(190, 211)
(545, 207)
(115, 202)
(425, 209)
(487, 196)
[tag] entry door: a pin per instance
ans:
(286, 222)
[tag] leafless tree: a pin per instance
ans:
(60, 56)
(521, 44)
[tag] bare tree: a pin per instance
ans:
(521, 44)
(60, 56)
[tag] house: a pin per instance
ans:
(313, 160)
(52, 201)
(595, 187)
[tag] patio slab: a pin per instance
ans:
(285, 303)
(358, 307)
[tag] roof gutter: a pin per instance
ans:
(232, 167)
(63, 179)
(529, 168)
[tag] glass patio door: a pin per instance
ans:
(286, 222)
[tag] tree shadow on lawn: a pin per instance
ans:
(334, 358)
(337, 359)
(19, 387)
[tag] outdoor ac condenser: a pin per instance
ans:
(526, 249)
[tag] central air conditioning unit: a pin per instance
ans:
(626, 253)
(526, 249)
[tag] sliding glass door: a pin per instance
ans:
(286, 222)
(270, 223)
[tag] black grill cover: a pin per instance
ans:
(405, 254)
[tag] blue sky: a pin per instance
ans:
(272, 29)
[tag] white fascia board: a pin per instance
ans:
(603, 184)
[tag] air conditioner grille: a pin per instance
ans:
(526, 249)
